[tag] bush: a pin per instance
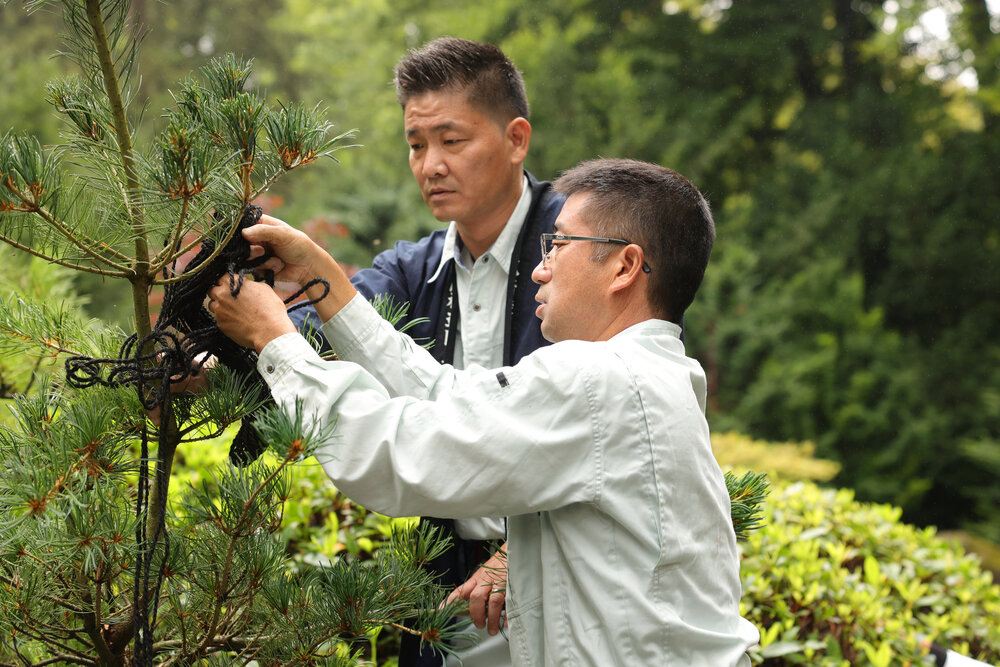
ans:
(831, 581)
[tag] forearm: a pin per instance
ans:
(341, 290)
(457, 456)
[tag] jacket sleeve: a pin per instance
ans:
(483, 442)
(385, 277)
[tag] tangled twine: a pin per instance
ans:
(184, 337)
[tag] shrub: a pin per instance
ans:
(831, 581)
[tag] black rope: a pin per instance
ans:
(184, 337)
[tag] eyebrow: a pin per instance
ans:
(437, 128)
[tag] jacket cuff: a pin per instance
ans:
(279, 355)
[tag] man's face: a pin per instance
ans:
(572, 287)
(465, 163)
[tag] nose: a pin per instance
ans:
(541, 273)
(433, 164)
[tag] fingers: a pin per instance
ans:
(486, 601)
(271, 220)
(292, 253)
(252, 318)
(461, 592)
(486, 591)
(217, 292)
(478, 604)
(486, 606)
(495, 610)
(267, 230)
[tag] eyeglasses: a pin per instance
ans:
(548, 245)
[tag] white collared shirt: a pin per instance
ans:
(482, 299)
(482, 289)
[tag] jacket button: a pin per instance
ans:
(270, 368)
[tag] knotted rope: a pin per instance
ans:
(184, 337)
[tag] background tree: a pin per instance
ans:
(850, 153)
(849, 150)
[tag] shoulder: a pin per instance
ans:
(406, 264)
(546, 202)
(648, 356)
(576, 362)
(405, 253)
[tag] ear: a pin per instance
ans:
(518, 137)
(628, 268)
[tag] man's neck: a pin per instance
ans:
(631, 313)
(479, 236)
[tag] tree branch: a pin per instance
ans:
(91, 620)
(193, 270)
(122, 131)
(69, 265)
(88, 249)
(169, 254)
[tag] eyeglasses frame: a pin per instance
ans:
(548, 238)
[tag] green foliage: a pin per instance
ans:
(747, 494)
(89, 536)
(831, 581)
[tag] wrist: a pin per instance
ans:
(314, 263)
(265, 336)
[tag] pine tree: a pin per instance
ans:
(95, 567)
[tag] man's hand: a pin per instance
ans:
(295, 257)
(253, 318)
(486, 591)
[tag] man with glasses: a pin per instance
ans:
(596, 448)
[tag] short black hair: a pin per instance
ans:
(491, 81)
(656, 208)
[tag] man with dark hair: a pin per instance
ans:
(596, 448)
(682, 260)
(465, 116)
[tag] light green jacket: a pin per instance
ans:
(621, 545)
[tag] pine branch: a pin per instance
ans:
(747, 495)
(92, 626)
(44, 327)
(51, 598)
(88, 249)
(190, 271)
(121, 127)
(53, 260)
(172, 251)
(241, 526)
(27, 177)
